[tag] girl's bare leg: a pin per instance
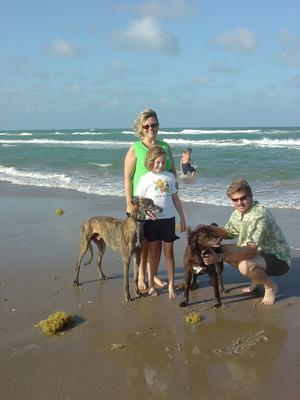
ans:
(152, 259)
(157, 280)
(170, 264)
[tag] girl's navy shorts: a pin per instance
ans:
(160, 229)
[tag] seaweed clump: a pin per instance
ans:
(59, 212)
(193, 317)
(56, 322)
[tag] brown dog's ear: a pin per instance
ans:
(191, 238)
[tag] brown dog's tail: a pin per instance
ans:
(90, 248)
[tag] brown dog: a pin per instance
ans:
(200, 242)
(123, 236)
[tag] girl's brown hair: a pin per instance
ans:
(153, 153)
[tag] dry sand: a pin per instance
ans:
(138, 350)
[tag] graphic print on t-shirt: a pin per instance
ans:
(162, 185)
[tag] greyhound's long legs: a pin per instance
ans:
(126, 261)
(137, 259)
(101, 250)
(84, 246)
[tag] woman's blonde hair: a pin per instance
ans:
(155, 152)
(141, 119)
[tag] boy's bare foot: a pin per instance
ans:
(172, 294)
(152, 292)
(270, 294)
(159, 282)
(250, 288)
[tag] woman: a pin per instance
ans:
(146, 128)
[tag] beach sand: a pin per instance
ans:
(143, 349)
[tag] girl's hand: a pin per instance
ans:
(183, 225)
(129, 208)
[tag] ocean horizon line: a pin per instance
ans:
(166, 127)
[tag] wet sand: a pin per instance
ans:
(139, 350)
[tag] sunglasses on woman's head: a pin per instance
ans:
(152, 126)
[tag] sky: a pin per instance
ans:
(97, 63)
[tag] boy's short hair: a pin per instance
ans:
(153, 153)
(239, 185)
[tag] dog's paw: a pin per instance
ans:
(76, 283)
(217, 305)
(224, 291)
(138, 293)
(183, 304)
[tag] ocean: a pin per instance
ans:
(91, 161)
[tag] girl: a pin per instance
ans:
(159, 185)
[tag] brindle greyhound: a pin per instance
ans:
(123, 236)
(201, 241)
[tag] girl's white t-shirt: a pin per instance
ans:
(159, 187)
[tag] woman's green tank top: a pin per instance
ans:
(140, 151)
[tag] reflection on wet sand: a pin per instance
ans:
(229, 355)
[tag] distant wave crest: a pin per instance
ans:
(264, 142)
(213, 131)
(15, 134)
(109, 143)
(101, 165)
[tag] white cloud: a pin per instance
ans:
(144, 35)
(240, 40)
(289, 48)
(62, 48)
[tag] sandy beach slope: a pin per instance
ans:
(138, 350)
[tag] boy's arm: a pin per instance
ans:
(181, 165)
